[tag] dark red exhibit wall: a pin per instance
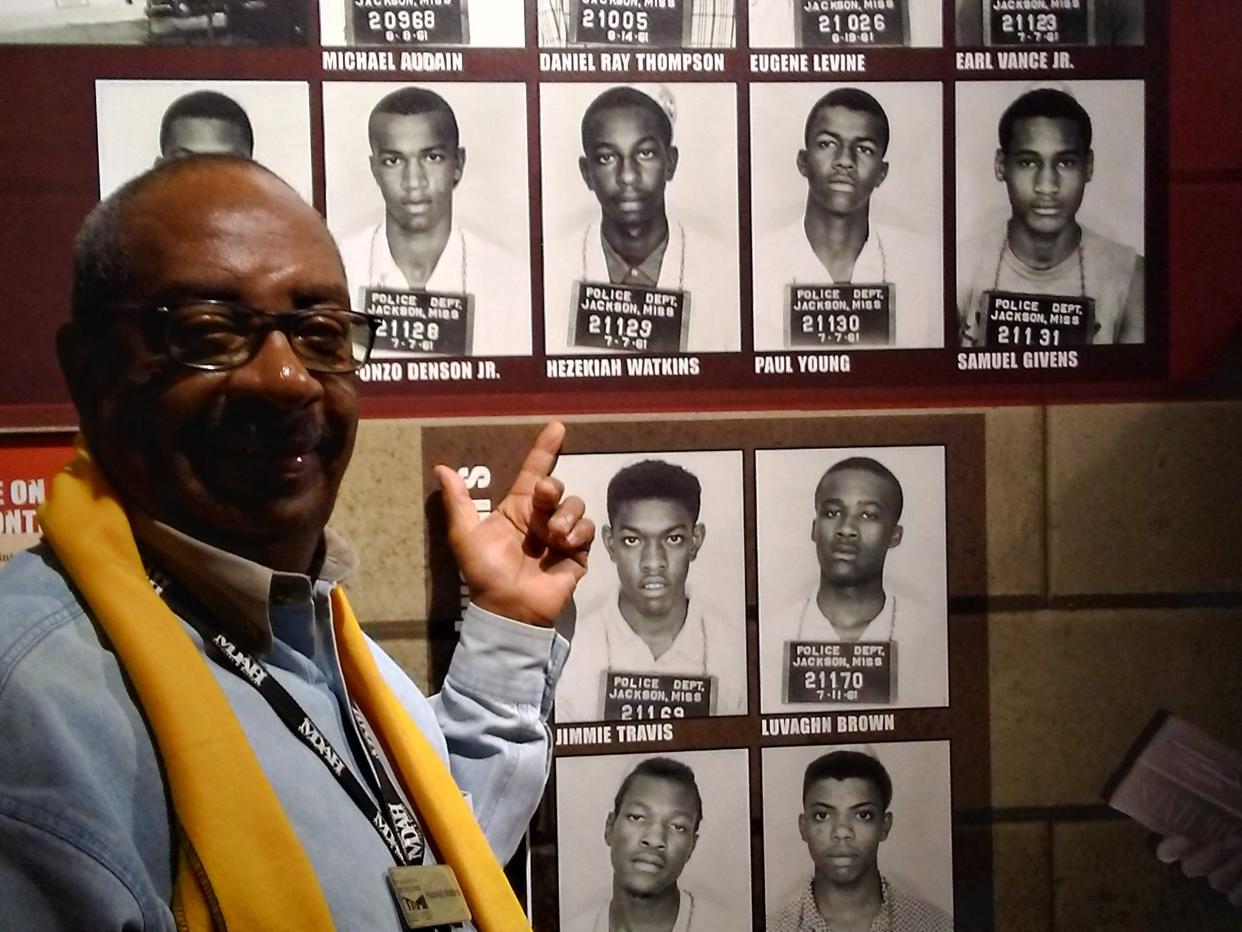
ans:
(49, 181)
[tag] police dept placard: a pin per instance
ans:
(1038, 22)
(1039, 320)
(420, 323)
(835, 316)
(847, 23)
(840, 671)
(630, 22)
(408, 22)
(626, 318)
(633, 697)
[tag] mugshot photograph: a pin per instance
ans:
(655, 842)
(702, 24)
(440, 23)
(429, 206)
(849, 24)
(1045, 23)
(640, 218)
(860, 833)
(1050, 214)
(852, 570)
(847, 206)
(660, 627)
(144, 123)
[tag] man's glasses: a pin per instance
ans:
(215, 335)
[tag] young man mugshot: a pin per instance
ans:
(640, 277)
(840, 279)
(650, 650)
(845, 818)
(853, 640)
(205, 122)
(1044, 280)
(675, 23)
(464, 288)
(1087, 22)
(651, 834)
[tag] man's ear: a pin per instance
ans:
(999, 165)
(76, 365)
(605, 534)
(896, 538)
(612, 817)
(697, 536)
(461, 165)
(886, 826)
(584, 170)
(883, 173)
(801, 162)
(673, 155)
(1090, 163)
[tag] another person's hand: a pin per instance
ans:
(1220, 862)
(524, 560)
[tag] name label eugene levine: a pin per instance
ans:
(808, 62)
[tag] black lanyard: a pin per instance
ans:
(392, 820)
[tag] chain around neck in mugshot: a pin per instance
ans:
(1078, 248)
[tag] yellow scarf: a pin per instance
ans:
(260, 878)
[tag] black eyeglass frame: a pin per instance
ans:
(284, 321)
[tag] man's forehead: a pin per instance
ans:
(854, 483)
(650, 789)
(839, 120)
(847, 791)
(640, 510)
(433, 126)
(1058, 134)
(613, 120)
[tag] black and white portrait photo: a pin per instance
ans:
(427, 197)
(654, 842)
(439, 23)
(640, 218)
(142, 123)
(699, 24)
(1035, 23)
(1051, 207)
(847, 205)
(154, 22)
(844, 24)
(858, 831)
(852, 578)
(660, 629)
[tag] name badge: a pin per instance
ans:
(1039, 22)
(635, 697)
(821, 24)
(408, 22)
(840, 671)
(626, 318)
(420, 323)
(1042, 320)
(428, 895)
(833, 316)
(652, 23)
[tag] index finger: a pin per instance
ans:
(540, 460)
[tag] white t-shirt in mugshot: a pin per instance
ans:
(708, 644)
(695, 913)
(908, 260)
(469, 263)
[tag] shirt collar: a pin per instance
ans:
(645, 274)
(813, 920)
(241, 595)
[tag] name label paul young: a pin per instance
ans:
(644, 696)
(408, 22)
(802, 364)
(1038, 22)
(832, 316)
(840, 671)
(626, 318)
(420, 323)
(845, 23)
(651, 23)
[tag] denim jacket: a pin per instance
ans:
(86, 835)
